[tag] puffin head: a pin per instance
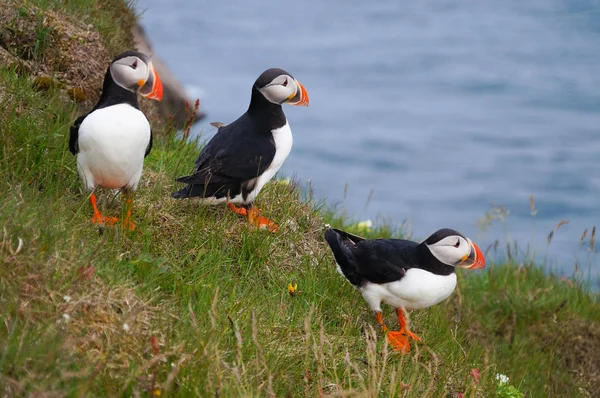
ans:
(279, 87)
(452, 248)
(133, 71)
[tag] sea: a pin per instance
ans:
(482, 116)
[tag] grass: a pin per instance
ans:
(195, 301)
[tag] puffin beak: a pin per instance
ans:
(474, 260)
(301, 96)
(151, 88)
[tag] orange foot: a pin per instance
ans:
(254, 217)
(399, 342)
(128, 224)
(261, 221)
(410, 334)
(404, 325)
(98, 218)
(102, 220)
(237, 210)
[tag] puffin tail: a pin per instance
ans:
(340, 243)
(182, 193)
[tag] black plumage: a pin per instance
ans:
(240, 151)
(382, 260)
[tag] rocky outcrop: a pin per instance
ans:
(174, 99)
(59, 51)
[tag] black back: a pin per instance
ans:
(237, 154)
(386, 260)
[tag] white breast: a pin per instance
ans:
(416, 290)
(112, 144)
(283, 145)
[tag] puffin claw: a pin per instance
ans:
(399, 342)
(128, 224)
(261, 221)
(254, 217)
(410, 334)
(237, 210)
(98, 218)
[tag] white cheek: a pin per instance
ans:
(449, 255)
(142, 72)
(277, 93)
(127, 77)
(135, 75)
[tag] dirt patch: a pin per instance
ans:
(59, 51)
(577, 343)
(56, 48)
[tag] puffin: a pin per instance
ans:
(404, 274)
(244, 155)
(112, 140)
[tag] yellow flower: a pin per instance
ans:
(156, 392)
(292, 288)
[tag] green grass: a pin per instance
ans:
(195, 300)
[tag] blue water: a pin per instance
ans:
(434, 110)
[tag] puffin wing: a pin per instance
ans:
(74, 135)
(384, 260)
(149, 147)
(232, 156)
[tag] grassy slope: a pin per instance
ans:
(195, 300)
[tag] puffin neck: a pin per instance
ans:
(428, 262)
(266, 113)
(113, 94)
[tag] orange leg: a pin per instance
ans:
(397, 340)
(98, 218)
(404, 325)
(127, 223)
(379, 317)
(254, 217)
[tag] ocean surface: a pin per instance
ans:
(428, 113)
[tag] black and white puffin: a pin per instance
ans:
(112, 140)
(243, 156)
(403, 274)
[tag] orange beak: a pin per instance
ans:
(301, 96)
(152, 88)
(475, 259)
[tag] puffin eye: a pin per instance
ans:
(285, 83)
(457, 244)
(134, 64)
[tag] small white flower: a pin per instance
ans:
(67, 298)
(367, 224)
(66, 318)
(292, 225)
(173, 364)
(126, 327)
(502, 379)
